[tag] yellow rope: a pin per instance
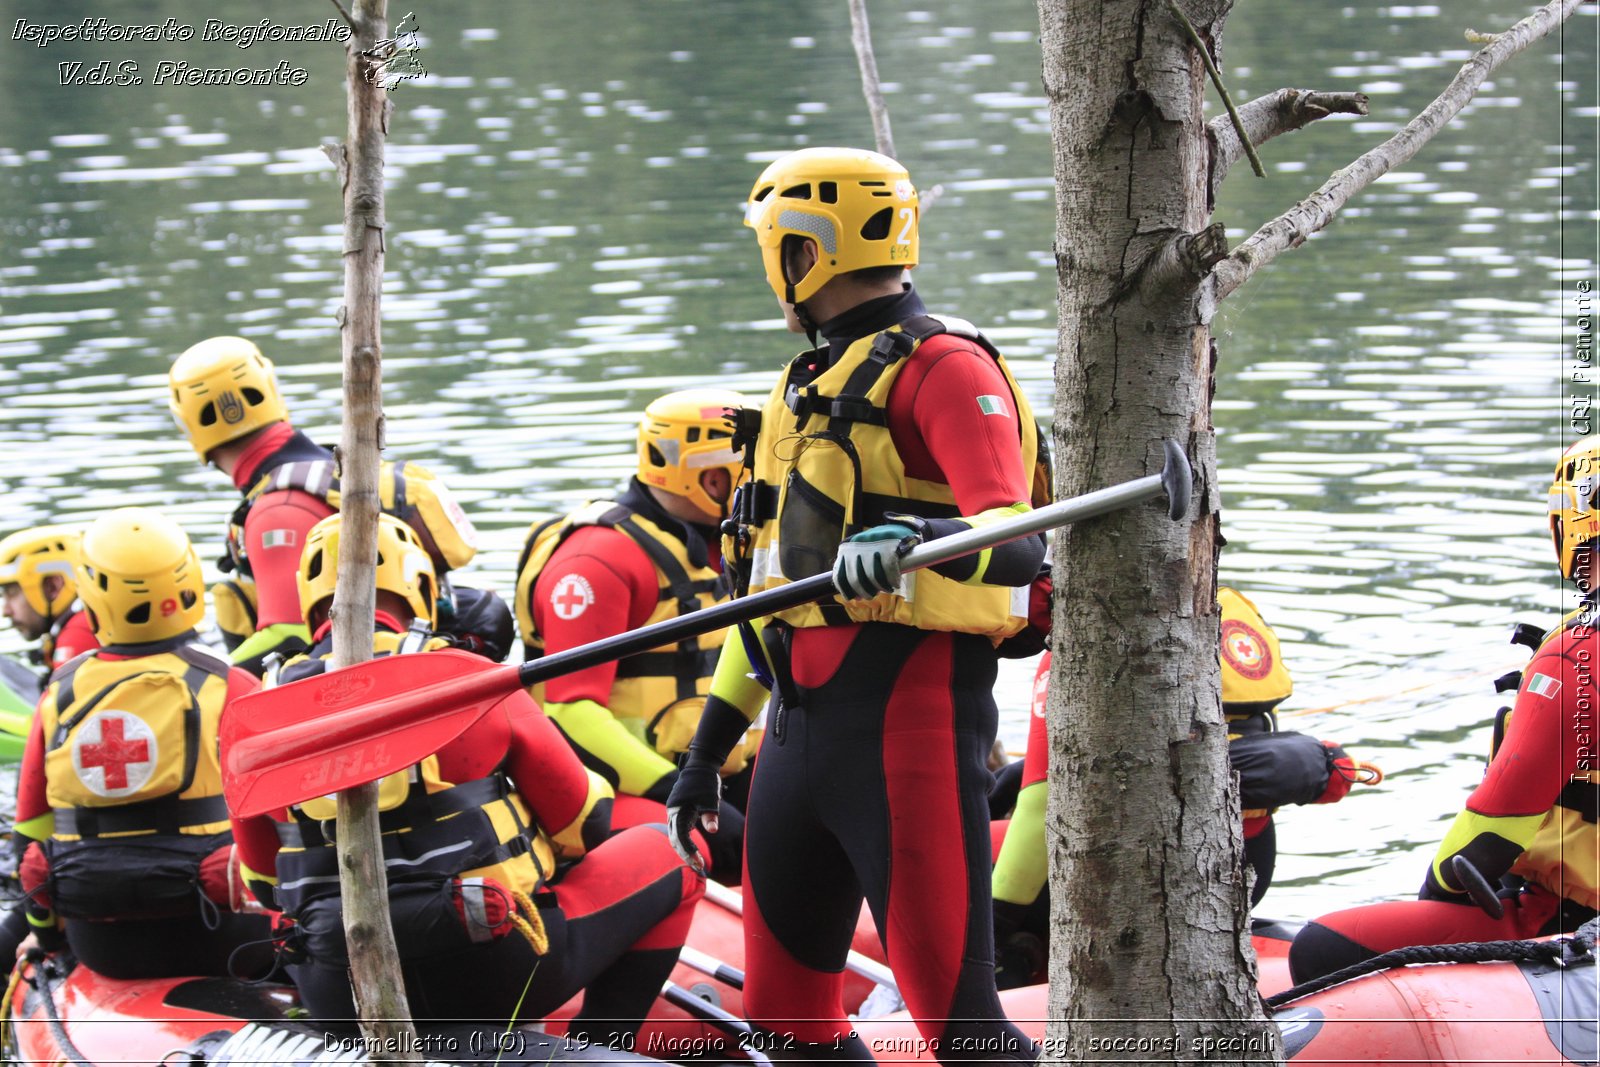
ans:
(531, 927)
(1390, 696)
(5, 1001)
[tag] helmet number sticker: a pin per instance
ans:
(571, 597)
(905, 231)
(114, 753)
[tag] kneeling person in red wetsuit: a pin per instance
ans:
(1528, 831)
(478, 840)
(872, 776)
(41, 595)
(650, 555)
(121, 786)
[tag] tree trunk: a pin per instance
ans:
(1151, 954)
(374, 961)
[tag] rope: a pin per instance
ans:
(5, 1001)
(531, 927)
(1559, 952)
(1387, 696)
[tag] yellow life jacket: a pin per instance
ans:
(826, 468)
(649, 684)
(428, 826)
(1564, 856)
(131, 744)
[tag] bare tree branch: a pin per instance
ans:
(1271, 116)
(1291, 229)
(349, 21)
(1183, 261)
(1222, 90)
(861, 37)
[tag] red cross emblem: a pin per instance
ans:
(114, 753)
(571, 597)
(1245, 650)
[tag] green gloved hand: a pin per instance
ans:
(869, 562)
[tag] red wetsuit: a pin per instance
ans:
(1533, 816)
(71, 636)
(877, 784)
(615, 919)
(276, 525)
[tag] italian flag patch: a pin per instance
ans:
(992, 405)
(1542, 685)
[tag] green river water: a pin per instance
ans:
(565, 186)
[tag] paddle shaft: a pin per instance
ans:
(1173, 480)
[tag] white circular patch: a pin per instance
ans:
(1041, 693)
(114, 753)
(571, 597)
(903, 189)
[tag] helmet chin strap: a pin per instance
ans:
(807, 323)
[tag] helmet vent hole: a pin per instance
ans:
(797, 192)
(691, 434)
(762, 195)
(208, 414)
(188, 599)
(876, 228)
(103, 582)
(656, 458)
(828, 192)
(252, 396)
(872, 183)
(314, 566)
(140, 615)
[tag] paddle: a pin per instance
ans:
(338, 729)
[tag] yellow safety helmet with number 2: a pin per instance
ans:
(222, 389)
(686, 433)
(858, 206)
(139, 577)
(1573, 518)
(404, 568)
(28, 557)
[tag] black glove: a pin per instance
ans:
(1019, 954)
(697, 793)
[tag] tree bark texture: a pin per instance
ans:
(1151, 954)
(374, 960)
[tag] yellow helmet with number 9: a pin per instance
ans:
(139, 577)
(858, 206)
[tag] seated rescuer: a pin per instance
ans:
(872, 775)
(651, 555)
(41, 595)
(224, 394)
(1528, 829)
(1274, 767)
(472, 837)
(120, 785)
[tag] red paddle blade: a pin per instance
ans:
(336, 730)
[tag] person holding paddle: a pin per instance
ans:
(652, 554)
(120, 786)
(871, 779)
(1522, 859)
(507, 893)
(41, 595)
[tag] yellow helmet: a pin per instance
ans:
(404, 567)
(685, 433)
(27, 557)
(1574, 520)
(1252, 666)
(139, 577)
(860, 207)
(222, 389)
